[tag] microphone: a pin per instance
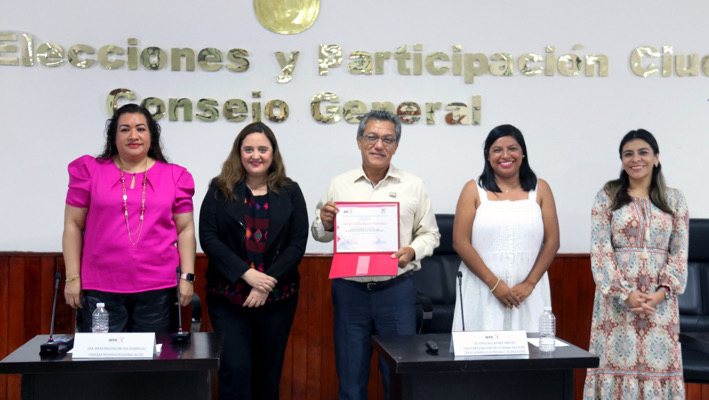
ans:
(460, 287)
(180, 336)
(60, 345)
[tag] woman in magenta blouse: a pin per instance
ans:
(253, 226)
(128, 224)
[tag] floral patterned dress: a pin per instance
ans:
(637, 248)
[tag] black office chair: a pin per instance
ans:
(694, 303)
(435, 282)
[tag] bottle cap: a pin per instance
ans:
(100, 305)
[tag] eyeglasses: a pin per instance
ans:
(373, 139)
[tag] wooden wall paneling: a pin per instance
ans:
(309, 355)
(695, 391)
(572, 290)
(321, 316)
(329, 372)
(304, 349)
(27, 289)
(578, 299)
(16, 320)
(578, 292)
(46, 271)
(65, 321)
(4, 319)
(375, 389)
(300, 350)
(16, 305)
(572, 298)
(33, 286)
(557, 275)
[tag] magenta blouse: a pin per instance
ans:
(110, 262)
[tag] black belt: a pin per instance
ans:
(379, 285)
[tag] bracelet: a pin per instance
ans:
(534, 285)
(498, 282)
(72, 278)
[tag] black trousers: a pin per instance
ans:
(130, 312)
(255, 342)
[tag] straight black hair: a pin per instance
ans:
(527, 177)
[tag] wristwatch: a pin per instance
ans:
(188, 277)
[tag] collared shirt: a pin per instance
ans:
(417, 222)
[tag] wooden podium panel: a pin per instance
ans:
(419, 374)
(179, 371)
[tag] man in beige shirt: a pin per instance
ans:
(364, 306)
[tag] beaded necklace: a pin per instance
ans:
(142, 206)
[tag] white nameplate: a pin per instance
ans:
(485, 343)
(114, 345)
(557, 343)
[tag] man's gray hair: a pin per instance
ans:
(380, 115)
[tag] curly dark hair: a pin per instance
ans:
(110, 150)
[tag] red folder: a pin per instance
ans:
(366, 263)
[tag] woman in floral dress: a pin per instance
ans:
(639, 261)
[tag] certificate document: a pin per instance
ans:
(366, 235)
(367, 228)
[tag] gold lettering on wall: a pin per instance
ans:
(183, 109)
(324, 108)
(8, 48)
(22, 50)
(330, 55)
(208, 110)
(412, 60)
(646, 61)
(287, 65)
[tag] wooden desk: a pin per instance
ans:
(417, 374)
(181, 371)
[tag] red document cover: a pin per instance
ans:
(347, 262)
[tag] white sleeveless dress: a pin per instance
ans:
(508, 236)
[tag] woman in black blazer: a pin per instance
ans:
(253, 226)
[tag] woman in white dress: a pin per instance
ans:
(507, 233)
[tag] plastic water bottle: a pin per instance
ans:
(547, 331)
(99, 323)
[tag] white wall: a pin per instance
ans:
(572, 125)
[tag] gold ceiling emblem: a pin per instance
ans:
(287, 16)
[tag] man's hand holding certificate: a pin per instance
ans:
(366, 237)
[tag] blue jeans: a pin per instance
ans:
(360, 313)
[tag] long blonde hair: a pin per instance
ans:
(233, 170)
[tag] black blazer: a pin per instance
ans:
(222, 231)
